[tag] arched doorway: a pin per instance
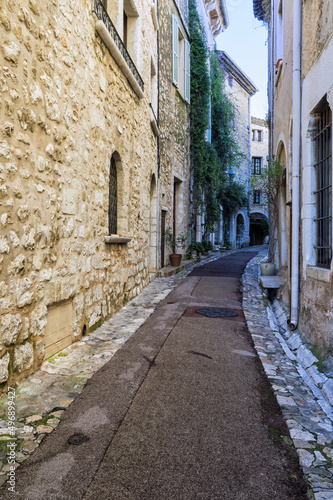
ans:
(259, 228)
(240, 227)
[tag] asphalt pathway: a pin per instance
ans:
(182, 411)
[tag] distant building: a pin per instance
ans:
(239, 90)
(258, 199)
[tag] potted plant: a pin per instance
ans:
(174, 242)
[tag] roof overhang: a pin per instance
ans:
(239, 75)
(217, 15)
(259, 10)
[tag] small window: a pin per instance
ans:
(256, 197)
(256, 165)
(260, 135)
(113, 197)
(253, 135)
(323, 192)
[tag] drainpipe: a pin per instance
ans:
(249, 164)
(158, 183)
(296, 96)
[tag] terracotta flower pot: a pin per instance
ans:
(175, 259)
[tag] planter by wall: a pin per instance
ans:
(267, 269)
(175, 259)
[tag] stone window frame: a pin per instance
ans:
(257, 197)
(309, 211)
(122, 216)
(323, 187)
(257, 165)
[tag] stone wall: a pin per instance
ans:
(317, 31)
(174, 129)
(66, 108)
(315, 291)
(239, 97)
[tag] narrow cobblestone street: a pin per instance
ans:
(161, 388)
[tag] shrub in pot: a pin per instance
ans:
(175, 242)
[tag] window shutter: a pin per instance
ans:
(187, 71)
(175, 51)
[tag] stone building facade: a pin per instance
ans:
(239, 90)
(214, 19)
(174, 138)
(78, 170)
(301, 103)
(258, 198)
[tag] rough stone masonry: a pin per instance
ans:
(66, 108)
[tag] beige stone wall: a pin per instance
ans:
(65, 108)
(315, 292)
(317, 31)
(174, 130)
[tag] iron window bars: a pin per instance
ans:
(323, 166)
(113, 197)
(102, 15)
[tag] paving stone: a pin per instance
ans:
(3, 479)
(328, 390)
(318, 378)
(44, 429)
(305, 458)
(33, 418)
(324, 495)
(29, 446)
(305, 357)
(294, 342)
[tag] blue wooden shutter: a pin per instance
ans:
(175, 51)
(187, 72)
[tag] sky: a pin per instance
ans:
(245, 41)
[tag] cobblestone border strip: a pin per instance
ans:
(297, 344)
(310, 427)
(42, 398)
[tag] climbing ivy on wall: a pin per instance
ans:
(210, 161)
(200, 94)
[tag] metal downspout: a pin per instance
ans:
(296, 96)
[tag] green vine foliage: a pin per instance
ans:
(200, 94)
(210, 161)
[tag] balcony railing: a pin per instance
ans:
(102, 15)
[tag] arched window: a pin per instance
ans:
(113, 197)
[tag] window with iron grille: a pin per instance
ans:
(256, 165)
(256, 197)
(323, 192)
(113, 197)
